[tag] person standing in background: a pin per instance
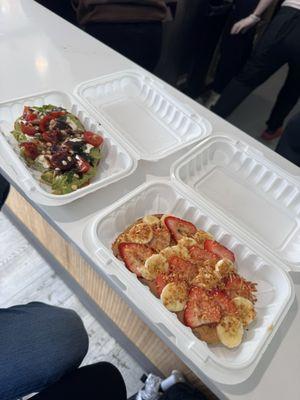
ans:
(235, 49)
(133, 28)
(279, 45)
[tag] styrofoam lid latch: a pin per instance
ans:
(105, 258)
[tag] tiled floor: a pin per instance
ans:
(25, 276)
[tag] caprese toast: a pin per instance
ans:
(55, 143)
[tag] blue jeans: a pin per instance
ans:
(38, 345)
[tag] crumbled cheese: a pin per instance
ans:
(64, 162)
(75, 140)
(29, 138)
(88, 148)
(43, 161)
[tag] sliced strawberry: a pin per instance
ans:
(218, 249)
(201, 309)
(237, 286)
(198, 254)
(224, 302)
(134, 255)
(179, 227)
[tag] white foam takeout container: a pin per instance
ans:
(116, 163)
(230, 190)
(150, 122)
(136, 116)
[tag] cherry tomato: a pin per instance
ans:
(56, 114)
(51, 136)
(92, 138)
(28, 114)
(28, 129)
(30, 150)
(47, 118)
(82, 165)
(44, 122)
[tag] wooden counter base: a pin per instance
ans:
(105, 297)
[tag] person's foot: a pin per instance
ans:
(270, 135)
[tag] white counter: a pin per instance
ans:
(40, 51)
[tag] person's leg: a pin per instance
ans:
(235, 49)
(286, 100)
(38, 345)
(289, 144)
(4, 190)
(97, 381)
(267, 58)
(290, 92)
(182, 391)
(140, 42)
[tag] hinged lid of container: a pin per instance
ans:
(149, 121)
(275, 292)
(247, 190)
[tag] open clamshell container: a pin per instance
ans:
(134, 114)
(116, 162)
(229, 190)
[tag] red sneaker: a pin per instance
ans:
(269, 135)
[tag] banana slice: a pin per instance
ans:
(174, 296)
(246, 311)
(200, 237)
(178, 251)
(187, 242)
(151, 220)
(153, 266)
(230, 331)
(140, 233)
(224, 267)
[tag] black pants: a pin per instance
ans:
(289, 144)
(4, 189)
(140, 42)
(279, 45)
(100, 381)
(235, 49)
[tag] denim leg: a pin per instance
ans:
(38, 345)
(4, 189)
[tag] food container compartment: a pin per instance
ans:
(244, 187)
(275, 291)
(115, 164)
(151, 123)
